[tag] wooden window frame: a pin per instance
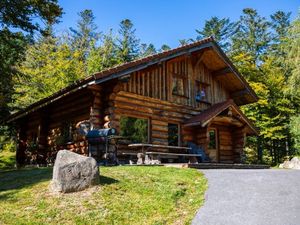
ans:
(199, 85)
(179, 133)
(149, 133)
(183, 75)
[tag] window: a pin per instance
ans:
(173, 134)
(135, 129)
(212, 139)
(201, 92)
(178, 71)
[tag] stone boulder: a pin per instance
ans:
(294, 163)
(73, 172)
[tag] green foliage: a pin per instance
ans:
(147, 50)
(127, 42)
(16, 16)
(293, 56)
(127, 195)
(11, 53)
(20, 14)
(164, 47)
(7, 157)
(104, 56)
(49, 66)
(220, 29)
(295, 130)
(252, 36)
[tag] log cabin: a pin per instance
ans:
(188, 94)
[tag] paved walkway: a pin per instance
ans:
(251, 197)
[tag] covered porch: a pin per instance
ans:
(221, 131)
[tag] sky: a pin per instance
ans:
(166, 21)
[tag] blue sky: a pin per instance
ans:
(166, 21)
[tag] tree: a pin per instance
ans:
(293, 56)
(183, 42)
(20, 14)
(85, 36)
(49, 66)
(220, 29)
(104, 56)
(164, 47)
(147, 50)
(15, 16)
(252, 36)
(127, 42)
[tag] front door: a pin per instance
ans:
(213, 149)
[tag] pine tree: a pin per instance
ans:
(127, 42)
(147, 50)
(252, 36)
(104, 56)
(164, 47)
(220, 29)
(84, 37)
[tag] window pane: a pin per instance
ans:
(134, 128)
(212, 140)
(175, 86)
(173, 134)
(178, 86)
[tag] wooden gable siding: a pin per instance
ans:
(156, 82)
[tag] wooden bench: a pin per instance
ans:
(147, 157)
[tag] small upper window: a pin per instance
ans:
(212, 139)
(201, 92)
(178, 71)
(173, 134)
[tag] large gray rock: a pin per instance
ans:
(294, 163)
(73, 172)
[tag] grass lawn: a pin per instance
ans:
(127, 195)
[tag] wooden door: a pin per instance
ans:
(213, 144)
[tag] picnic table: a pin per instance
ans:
(146, 156)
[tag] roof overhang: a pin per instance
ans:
(212, 114)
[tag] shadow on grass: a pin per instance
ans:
(18, 179)
(107, 180)
(14, 180)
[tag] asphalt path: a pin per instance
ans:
(251, 197)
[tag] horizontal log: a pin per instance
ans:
(159, 135)
(146, 115)
(159, 122)
(226, 153)
(163, 129)
(225, 148)
(157, 103)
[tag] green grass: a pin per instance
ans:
(7, 159)
(127, 195)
